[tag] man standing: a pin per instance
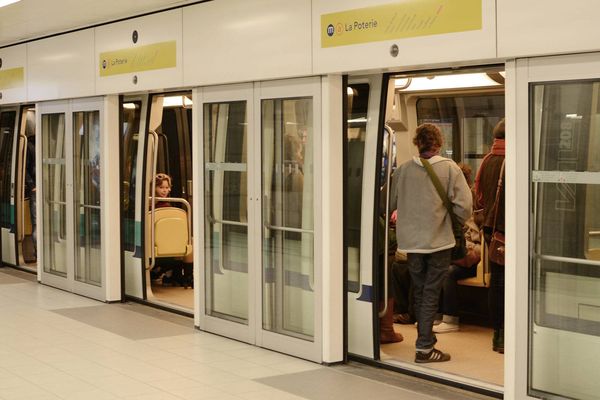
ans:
(424, 229)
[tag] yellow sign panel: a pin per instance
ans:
(140, 58)
(410, 18)
(12, 78)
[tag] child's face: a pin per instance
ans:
(163, 190)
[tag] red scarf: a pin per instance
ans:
(496, 150)
(498, 147)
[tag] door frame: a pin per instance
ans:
(254, 94)
(107, 106)
(521, 73)
(220, 94)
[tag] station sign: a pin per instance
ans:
(12, 78)
(406, 19)
(139, 58)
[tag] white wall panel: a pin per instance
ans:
(152, 29)
(450, 48)
(240, 40)
(13, 57)
(538, 27)
(61, 67)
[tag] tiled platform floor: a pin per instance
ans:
(57, 345)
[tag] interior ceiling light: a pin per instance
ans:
(7, 2)
(177, 101)
(454, 81)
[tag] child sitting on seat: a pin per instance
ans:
(170, 269)
(162, 184)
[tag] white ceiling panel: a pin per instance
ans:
(29, 19)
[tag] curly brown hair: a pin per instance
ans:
(427, 137)
(160, 178)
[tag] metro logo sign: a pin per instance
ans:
(407, 19)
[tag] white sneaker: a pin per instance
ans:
(435, 322)
(445, 327)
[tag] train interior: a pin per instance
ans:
(466, 105)
(165, 150)
(18, 183)
(26, 246)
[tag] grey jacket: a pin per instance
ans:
(423, 224)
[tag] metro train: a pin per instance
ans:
(279, 130)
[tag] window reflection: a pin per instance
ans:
(86, 171)
(55, 206)
(226, 210)
(288, 214)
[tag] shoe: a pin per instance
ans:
(435, 322)
(498, 341)
(403, 318)
(433, 356)
(445, 327)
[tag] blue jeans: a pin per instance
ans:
(427, 272)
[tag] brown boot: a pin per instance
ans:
(386, 326)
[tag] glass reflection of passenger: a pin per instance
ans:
(293, 178)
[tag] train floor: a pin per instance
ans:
(57, 345)
(470, 349)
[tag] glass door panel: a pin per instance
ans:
(565, 193)
(226, 210)
(86, 161)
(7, 137)
(54, 182)
(73, 250)
(288, 217)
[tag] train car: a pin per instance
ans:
(230, 161)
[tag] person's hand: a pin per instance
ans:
(394, 217)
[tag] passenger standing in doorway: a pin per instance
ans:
(30, 189)
(486, 186)
(424, 229)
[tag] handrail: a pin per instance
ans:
(214, 220)
(571, 260)
(386, 245)
(286, 229)
(152, 208)
(23, 171)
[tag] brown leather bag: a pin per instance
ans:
(496, 248)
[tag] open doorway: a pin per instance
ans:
(465, 105)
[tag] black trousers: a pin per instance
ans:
(496, 295)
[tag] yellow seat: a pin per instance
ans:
(28, 228)
(171, 235)
(482, 279)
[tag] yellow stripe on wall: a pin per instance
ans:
(139, 58)
(406, 19)
(12, 78)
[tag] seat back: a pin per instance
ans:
(482, 279)
(28, 228)
(171, 236)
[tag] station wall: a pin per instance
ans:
(229, 41)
